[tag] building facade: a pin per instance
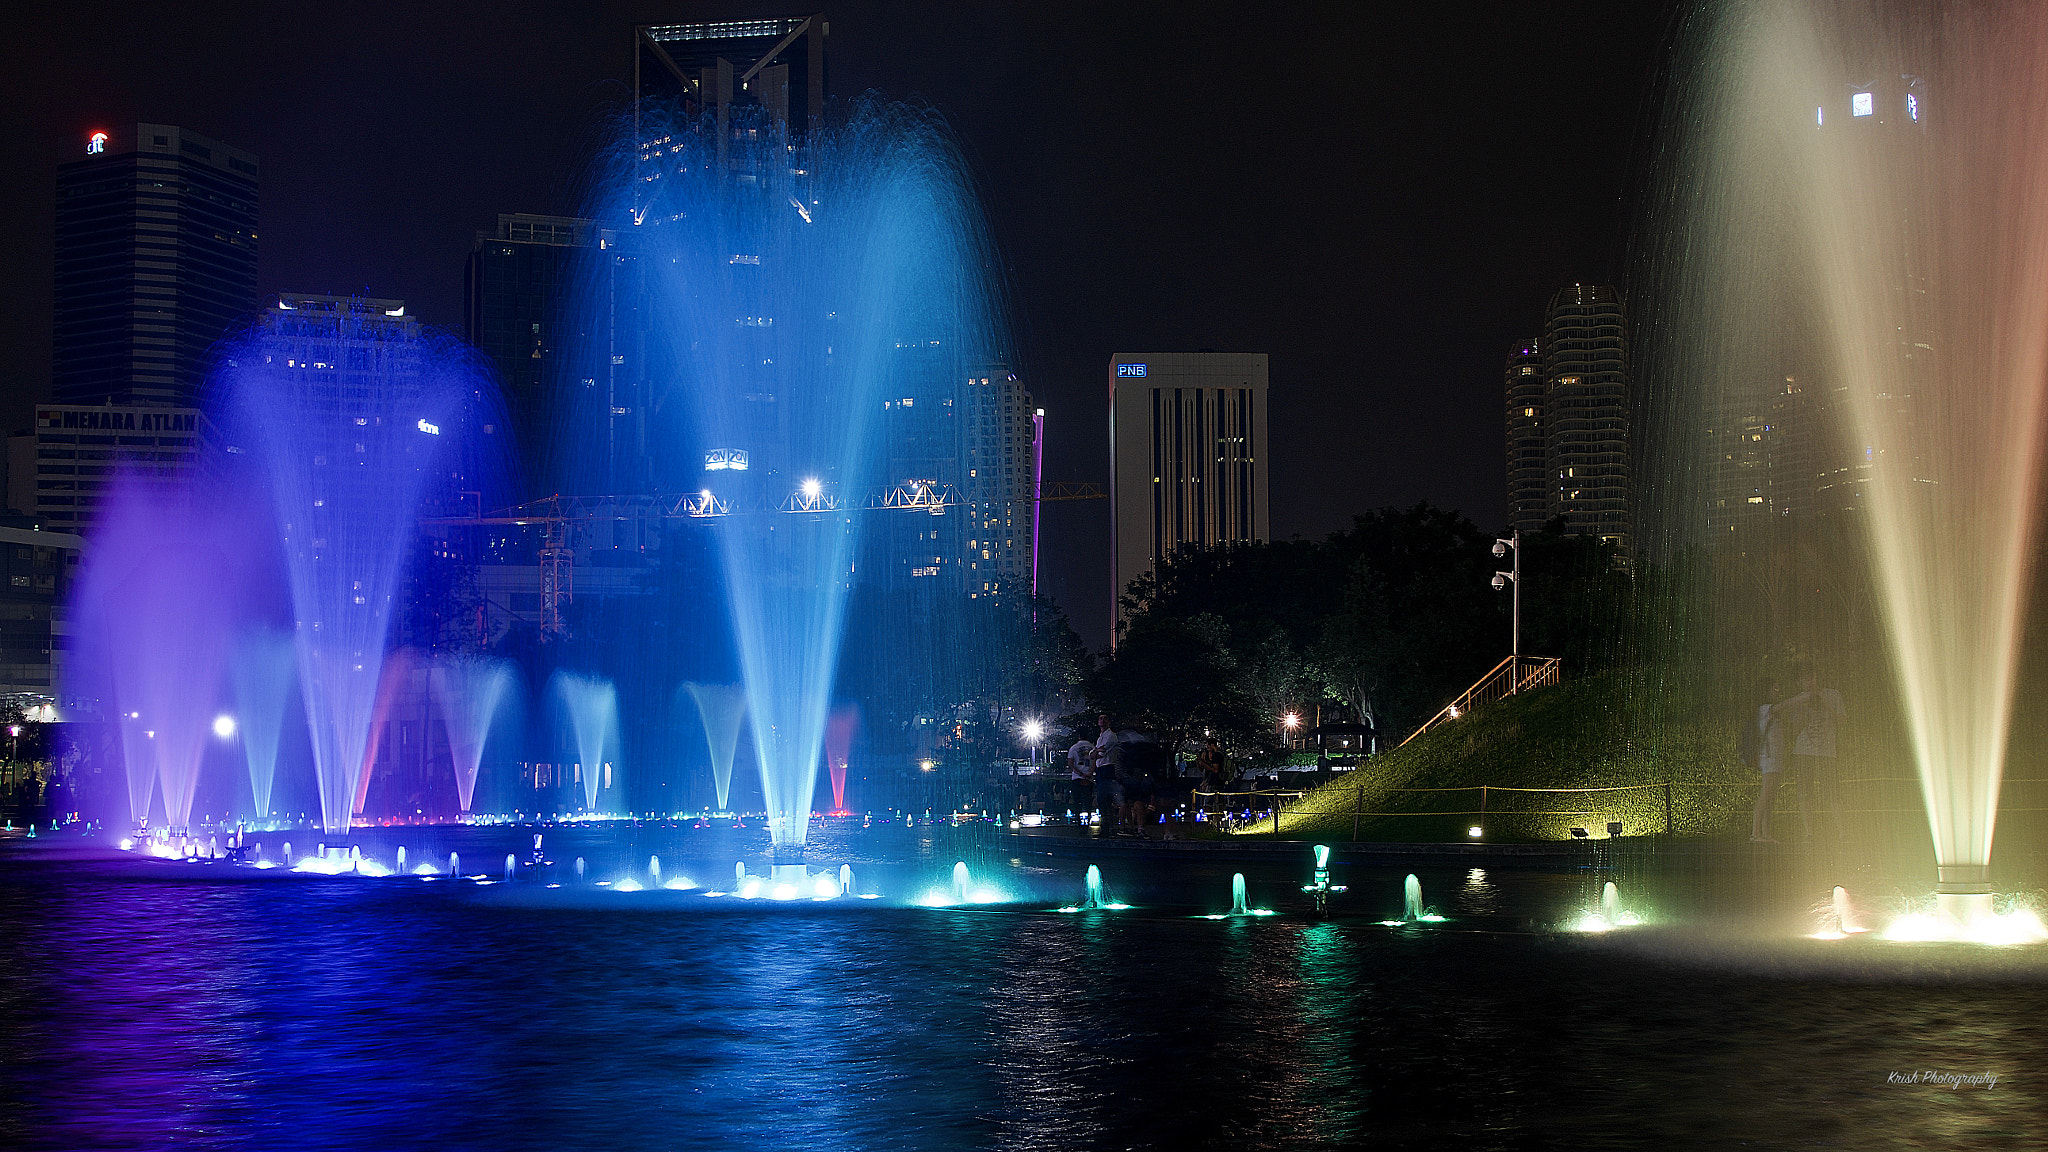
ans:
(528, 306)
(1585, 369)
(1187, 456)
(58, 471)
(775, 63)
(155, 263)
(1567, 399)
(1528, 450)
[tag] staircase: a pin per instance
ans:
(1512, 675)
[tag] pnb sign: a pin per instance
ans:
(1130, 370)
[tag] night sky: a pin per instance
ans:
(1381, 197)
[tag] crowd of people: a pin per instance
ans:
(1128, 780)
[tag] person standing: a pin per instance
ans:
(1815, 718)
(1109, 790)
(1215, 766)
(1763, 747)
(1081, 775)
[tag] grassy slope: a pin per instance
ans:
(1614, 729)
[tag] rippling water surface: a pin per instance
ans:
(152, 1005)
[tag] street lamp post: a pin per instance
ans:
(1513, 576)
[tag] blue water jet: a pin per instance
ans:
(342, 411)
(790, 279)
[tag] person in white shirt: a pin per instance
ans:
(1109, 786)
(1081, 774)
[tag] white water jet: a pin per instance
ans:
(654, 870)
(1868, 190)
(962, 883)
(720, 708)
(263, 672)
(846, 878)
(592, 706)
(579, 868)
(1845, 913)
(469, 690)
(401, 857)
(1237, 895)
(1610, 902)
(1411, 898)
(511, 864)
(455, 864)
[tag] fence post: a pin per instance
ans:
(1357, 811)
(1482, 806)
(1667, 808)
(1276, 813)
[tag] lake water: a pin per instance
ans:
(147, 1004)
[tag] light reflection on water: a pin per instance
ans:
(154, 1005)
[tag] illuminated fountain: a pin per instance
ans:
(341, 411)
(720, 707)
(156, 611)
(262, 673)
(1412, 909)
(1239, 904)
(593, 710)
(1610, 915)
(1092, 898)
(469, 690)
(1860, 193)
(788, 278)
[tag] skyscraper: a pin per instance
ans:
(1528, 455)
(529, 307)
(1187, 455)
(155, 261)
(776, 63)
(1585, 413)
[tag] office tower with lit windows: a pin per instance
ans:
(1187, 455)
(1002, 450)
(1585, 414)
(1528, 471)
(155, 263)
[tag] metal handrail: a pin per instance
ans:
(1512, 675)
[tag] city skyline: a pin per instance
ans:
(1344, 226)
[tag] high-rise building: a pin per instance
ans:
(1187, 455)
(531, 306)
(1002, 451)
(1528, 452)
(775, 63)
(1585, 413)
(155, 262)
(58, 471)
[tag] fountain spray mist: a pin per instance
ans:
(720, 707)
(1860, 208)
(788, 277)
(469, 690)
(342, 406)
(592, 707)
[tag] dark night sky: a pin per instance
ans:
(1381, 197)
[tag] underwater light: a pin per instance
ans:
(1473, 831)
